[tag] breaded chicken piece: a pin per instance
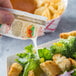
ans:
(73, 62)
(31, 73)
(67, 34)
(50, 68)
(15, 69)
(64, 35)
(63, 62)
(73, 33)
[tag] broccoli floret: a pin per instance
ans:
(66, 47)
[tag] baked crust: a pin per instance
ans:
(15, 69)
(63, 62)
(50, 68)
(67, 34)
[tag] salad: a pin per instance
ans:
(58, 60)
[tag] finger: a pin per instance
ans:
(6, 17)
(5, 3)
(0, 35)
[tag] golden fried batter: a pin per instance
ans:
(67, 34)
(15, 69)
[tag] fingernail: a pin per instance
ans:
(8, 19)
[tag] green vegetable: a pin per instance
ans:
(32, 30)
(28, 60)
(71, 47)
(74, 73)
(32, 65)
(45, 53)
(68, 47)
(21, 74)
(73, 67)
(29, 49)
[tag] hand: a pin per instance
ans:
(5, 16)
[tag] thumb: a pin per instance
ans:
(6, 17)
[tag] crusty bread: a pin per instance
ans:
(50, 68)
(73, 62)
(63, 62)
(31, 73)
(67, 34)
(15, 69)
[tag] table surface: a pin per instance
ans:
(10, 46)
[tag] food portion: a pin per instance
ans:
(58, 60)
(47, 8)
(24, 5)
(67, 34)
(15, 69)
(63, 62)
(50, 68)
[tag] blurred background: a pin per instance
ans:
(10, 46)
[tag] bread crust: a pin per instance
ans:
(15, 69)
(73, 62)
(31, 73)
(63, 62)
(50, 68)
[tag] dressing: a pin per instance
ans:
(24, 5)
(35, 45)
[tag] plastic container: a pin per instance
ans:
(24, 19)
(52, 24)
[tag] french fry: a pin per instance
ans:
(39, 3)
(47, 14)
(52, 10)
(39, 11)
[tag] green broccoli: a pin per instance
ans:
(66, 47)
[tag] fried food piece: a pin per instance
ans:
(15, 69)
(62, 62)
(47, 14)
(31, 73)
(73, 33)
(66, 35)
(50, 68)
(54, 8)
(40, 10)
(73, 62)
(43, 11)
